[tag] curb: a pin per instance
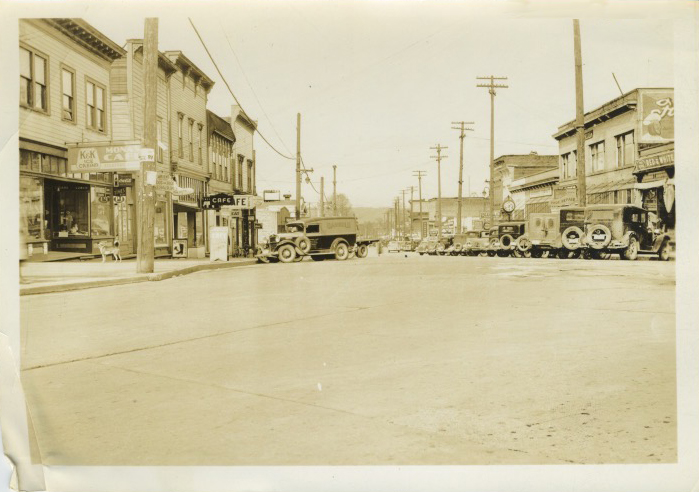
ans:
(153, 277)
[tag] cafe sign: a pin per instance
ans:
(106, 157)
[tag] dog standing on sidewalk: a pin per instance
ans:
(107, 250)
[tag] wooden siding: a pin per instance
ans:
(60, 49)
(184, 100)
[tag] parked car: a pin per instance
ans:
(393, 246)
(508, 232)
(478, 243)
(422, 247)
(317, 237)
(443, 245)
(624, 229)
(458, 243)
(494, 241)
(554, 234)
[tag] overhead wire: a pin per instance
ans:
(231, 91)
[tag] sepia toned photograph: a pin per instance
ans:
(365, 245)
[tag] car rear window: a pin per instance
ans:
(574, 216)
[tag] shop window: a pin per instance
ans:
(199, 229)
(95, 106)
(71, 211)
(31, 195)
(100, 201)
(68, 94)
(33, 80)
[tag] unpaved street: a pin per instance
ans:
(389, 360)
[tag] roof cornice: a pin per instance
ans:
(88, 37)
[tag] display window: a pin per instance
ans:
(71, 210)
(101, 216)
(160, 230)
(31, 192)
(199, 229)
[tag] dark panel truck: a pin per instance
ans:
(318, 237)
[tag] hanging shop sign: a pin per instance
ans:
(236, 213)
(214, 202)
(123, 179)
(179, 248)
(656, 161)
(657, 116)
(106, 157)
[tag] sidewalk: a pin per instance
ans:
(46, 277)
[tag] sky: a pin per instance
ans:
(379, 83)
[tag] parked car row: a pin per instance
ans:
(596, 231)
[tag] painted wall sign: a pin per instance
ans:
(657, 115)
(179, 248)
(164, 183)
(104, 157)
(663, 160)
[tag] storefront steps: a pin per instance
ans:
(50, 277)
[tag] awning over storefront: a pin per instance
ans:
(539, 199)
(651, 184)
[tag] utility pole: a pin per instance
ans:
(334, 191)
(579, 116)
(462, 128)
(439, 158)
(491, 89)
(322, 196)
(412, 226)
(419, 175)
(298, 166)
(404, 229)
(145, 250)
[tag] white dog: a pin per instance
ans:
(107, 250)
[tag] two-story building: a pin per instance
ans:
(244, 129)
(629, 153)
(508, 169)
(221, 140)
(533, 193)
(65, 99)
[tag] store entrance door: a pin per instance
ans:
(124, 227)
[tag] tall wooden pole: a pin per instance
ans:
(439, 158)
(145, 250)
(462, 129)
(334, 191)
(412, 222)
(322, 196)
(298, 166)
(491, 89)
(419, 175)
(579, 117)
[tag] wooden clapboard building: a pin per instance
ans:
(64, 99)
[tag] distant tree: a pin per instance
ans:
(344, 207)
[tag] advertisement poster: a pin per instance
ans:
(657, 113)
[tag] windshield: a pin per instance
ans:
(294, 227)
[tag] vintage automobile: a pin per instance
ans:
(422, 247)
(477, 243)
(624, 229)
(393, 246)
(443, 245)
(508, 232)
(554, 234)
(457, 244)
(317, 237)
(493, 242)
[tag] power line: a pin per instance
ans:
(231, 91)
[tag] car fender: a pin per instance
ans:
(627, 237)
(340, 240)
(658, 241)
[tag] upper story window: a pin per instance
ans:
(625, 150)
(95, 106)
(249, 176)
(597, 157)
(68, 94)
(568, 163)
(241, 162)
(201, 143)
(33, 80)
(190, 134)
(180, 131)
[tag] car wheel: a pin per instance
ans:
(631, 251)
(492, 253)
(664, 251)
(286, 253)
(564, 253)
(536, 253)
(596, 232)
(304, 244)
(517, 253)
(298, 258)
(341, 251)
(362, 251)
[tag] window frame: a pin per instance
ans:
(33, 52)
(96, 85)
(180, 134)
(239, 174)
(63, 67)
(190, 135)
(622, 138)
(595, 160)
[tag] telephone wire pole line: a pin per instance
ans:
(462, 129)
(439, 158)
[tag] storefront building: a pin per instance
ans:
(533, 193)
(221, 140)
(244, 154)
(64, 99)
(189, 156)
(629, 154)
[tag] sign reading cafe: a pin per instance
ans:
(231, 201)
